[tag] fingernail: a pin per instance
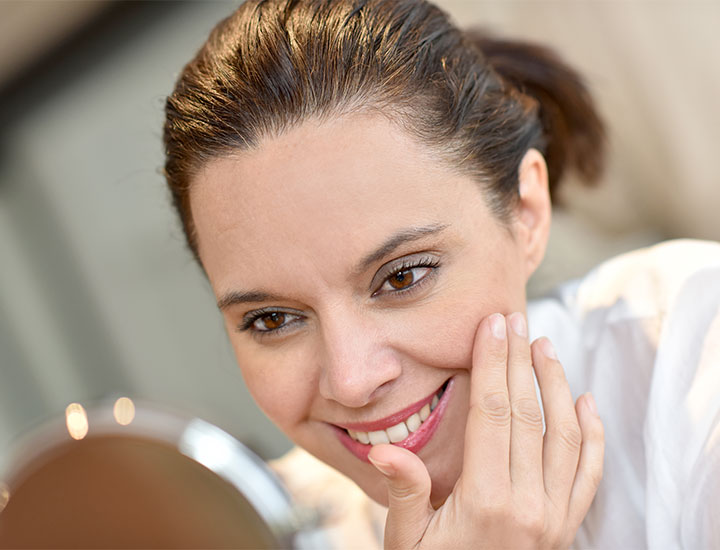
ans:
(518, 324)
(384, 467)
(590, 402)
(497, 326)
(548, 349)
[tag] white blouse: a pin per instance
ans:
(642, 333)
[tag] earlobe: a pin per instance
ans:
(534, 209)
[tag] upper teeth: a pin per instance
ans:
(399, 431)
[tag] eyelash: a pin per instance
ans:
(251, 318)
(407, 265)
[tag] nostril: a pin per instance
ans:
(380, 390)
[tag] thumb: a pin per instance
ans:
(408, 483)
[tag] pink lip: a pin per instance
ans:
(391, 420)
(414, 442)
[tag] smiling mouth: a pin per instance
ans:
(404, 428)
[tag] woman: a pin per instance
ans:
(368, 191)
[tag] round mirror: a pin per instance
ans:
(160, 481)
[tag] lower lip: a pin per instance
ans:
(415, 441)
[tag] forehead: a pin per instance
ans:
(319, 192)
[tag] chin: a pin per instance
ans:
(444, 481)
(444, 470)
(375, 487)
(442, 456)
(440, 492)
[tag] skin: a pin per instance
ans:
(294, 219)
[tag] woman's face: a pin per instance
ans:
(352, 269)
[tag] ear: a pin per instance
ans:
(533, 211)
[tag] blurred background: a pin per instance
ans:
(99, 297)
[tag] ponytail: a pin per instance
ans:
(574, 132)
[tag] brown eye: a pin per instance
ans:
(270, 321)
(406, 277)
(267, 323)
(401, 279)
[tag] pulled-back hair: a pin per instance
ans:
(479, 103)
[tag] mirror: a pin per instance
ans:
(160, 481)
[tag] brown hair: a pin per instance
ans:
(480, 103)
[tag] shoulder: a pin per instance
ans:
(619, 312)
(648, 282)
(682, 428)
(642, 333)
(666, 299)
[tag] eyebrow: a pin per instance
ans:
(239, 297)
(390, 245)
(395, 241)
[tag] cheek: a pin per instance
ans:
(443, 333)
(280, 387)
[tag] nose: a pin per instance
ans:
(356, 360)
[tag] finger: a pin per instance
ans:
(487, 434)
(526, 428)
(590, 467)
(561, 449)
(408, 484)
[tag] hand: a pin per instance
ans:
(518, 488)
